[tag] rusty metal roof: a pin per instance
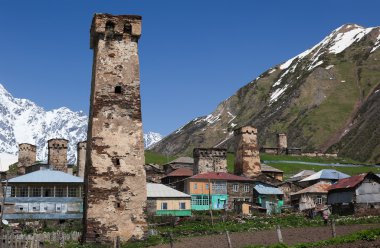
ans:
(315, 188)
(350, 182)
(181, 172)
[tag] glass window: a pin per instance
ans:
(207, 186)
(22, 191)
(13, 192)
(235, 187)
(73, 192)
(195, 186)
(219, 187)
(182, 205)
(246, 188)
(60, 192)
(319, 200)
(48, 192)
(35, 191)
(164, 205)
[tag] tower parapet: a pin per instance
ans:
(57, 154)
(209, 160)
(26, 157)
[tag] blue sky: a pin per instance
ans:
(193, 54)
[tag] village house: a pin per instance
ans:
(325, 175)
(218, 190)
(163, 200)
(313, 197)
(154, 173)
(355, 194)
(181, 162)
(267, 198)
(288, 187)
(176, 178)
(272, 172)
(44, 194)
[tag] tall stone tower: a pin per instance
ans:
(57, 154)
(81, 158)
(209, 160)
(115, 181)
(26, 157)
(247, 157)
(282, 142)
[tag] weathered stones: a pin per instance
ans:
(209, 160)
(282, 142)
(81, 158)
(26, 157)
(247, 160)
(57, 154)
(115, 186)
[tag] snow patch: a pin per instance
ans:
(312, 66)
(277, 93)
(329, 67)
(377, 44)
(272, 70)
(345, 39)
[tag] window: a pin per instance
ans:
(207, 186)
(60, 192)
(235, 187)
(73, 192)
(182, 205)
(319, 200)
(118, 89)
(246, 188)
(35, 191)
(219, 187)
(200, 200)
(195, 186)
(164, 205)
(22, 191)
(13, 192)
(128, 28)
(48, 192)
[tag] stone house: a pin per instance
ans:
(312, 197)
(163, 200)
(289, 187)
(176, 178)
(154, 173)
(181, 162)
(272, 172)
(355, 194)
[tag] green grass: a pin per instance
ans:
(157, 158)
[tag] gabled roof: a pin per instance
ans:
(303, 174)
(160, 190)
(181, 172)
(220, 176)
(326, 174)
(267, 168)
(182, 160)
(46, 176)
(350, 182)
(265, 189)
(315, 188)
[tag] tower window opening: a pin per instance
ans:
(128, 28)
(110, 26)
(117, 161)
(118, 90)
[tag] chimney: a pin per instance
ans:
(247, 157)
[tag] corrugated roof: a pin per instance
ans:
(220, 176)
(183, 160)
(267, 168)
(160, 190)
(349, 182)
(46, 176)
(326, 174)
(181, 172)
(315, 188)
(264, 189)
(303, 174)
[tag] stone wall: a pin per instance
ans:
(26, 157)
(247, 157)
(115, 186)
(282, 141)
(81, 158)
(57, 154)
(209, 160)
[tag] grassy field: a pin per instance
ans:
(288, 168)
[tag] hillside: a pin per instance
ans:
(326, 98)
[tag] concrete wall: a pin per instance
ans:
(115, 183)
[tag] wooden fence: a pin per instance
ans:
(10, 240)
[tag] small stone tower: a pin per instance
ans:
(57, 154)
(282, 142)
(26, 157)
(209, 160)
(247, 157)
(81, 158)
(115, 180)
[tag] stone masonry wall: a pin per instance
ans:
(115, 181)
(209, 160)
(57, 154)
(81, 158)
(247, 157)
(282, 142)
(26, 157)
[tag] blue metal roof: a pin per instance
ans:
(46, 176)
(326, 174)
(264, 189)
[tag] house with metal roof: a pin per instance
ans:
(272, 172)
(267, 198)
(43, 194)
(355, 194)
(181, 162)
(176, 178)
(163, 200)
(325, 175)
(312, 197)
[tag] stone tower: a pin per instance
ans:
(81, 158)
(57, 154)
(282, 142)
(247, 157)
(115, 181)
(209, 160)
(26, 157)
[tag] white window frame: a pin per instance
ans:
(180, 205)
(162, 206)
(246, 188)
(235, 187)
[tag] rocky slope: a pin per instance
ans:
(22, 121)
(325, 98)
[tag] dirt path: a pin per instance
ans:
(290, 236)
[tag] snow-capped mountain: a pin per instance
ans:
(325, 98)
(22, 121)
(151, 138)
